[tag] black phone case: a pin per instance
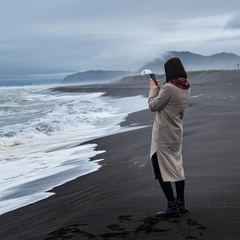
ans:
(152, 76)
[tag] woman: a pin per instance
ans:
(169, 101)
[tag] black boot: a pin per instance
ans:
(181, 205)
(171, 211)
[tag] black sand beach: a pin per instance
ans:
(119, 201)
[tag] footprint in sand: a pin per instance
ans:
(125, 218)
(196, 229)
(115, 227)
(69, 232)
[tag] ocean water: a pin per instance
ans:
(40, 137)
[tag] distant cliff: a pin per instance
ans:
(94, 76)
(195, 62)
(191, 62)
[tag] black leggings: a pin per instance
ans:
(167, 186)
(168, 190)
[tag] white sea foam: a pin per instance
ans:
(40, 135)
(197, 96)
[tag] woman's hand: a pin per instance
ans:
(153, 85)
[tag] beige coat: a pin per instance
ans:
(169, 104)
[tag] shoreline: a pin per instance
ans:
(36, 189)
(119, 200)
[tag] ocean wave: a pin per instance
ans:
(40, 141)
(60, 114)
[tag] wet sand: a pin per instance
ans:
(119, 201)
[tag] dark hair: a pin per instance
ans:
(174, 69)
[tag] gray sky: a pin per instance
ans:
(53, 38)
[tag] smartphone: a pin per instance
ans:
(152, 76)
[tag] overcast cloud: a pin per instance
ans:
(41, 39)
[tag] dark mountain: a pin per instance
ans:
(195, 62)
(191, 61)
(93, 76)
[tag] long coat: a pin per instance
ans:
(169, 104)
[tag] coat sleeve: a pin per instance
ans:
(158, 100)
